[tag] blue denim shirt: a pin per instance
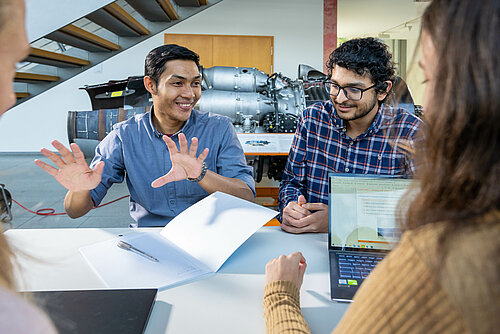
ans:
(135, 150)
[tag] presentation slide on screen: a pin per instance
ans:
(363, 211)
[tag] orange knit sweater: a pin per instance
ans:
(415, 289)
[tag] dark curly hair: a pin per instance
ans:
(158, 57)
(364, 56)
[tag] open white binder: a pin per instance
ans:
(195, 243)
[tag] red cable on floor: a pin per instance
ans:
(51, 212)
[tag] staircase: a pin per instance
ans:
(96, 37)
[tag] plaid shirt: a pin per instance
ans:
(321, 146)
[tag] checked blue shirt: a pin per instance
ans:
(321, 146)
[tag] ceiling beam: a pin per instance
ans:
(21, 95)
(45, 57)
(168, 9)
(120, 14)
(188, 3)
(34, 77)
(88, 37)
(150, 10)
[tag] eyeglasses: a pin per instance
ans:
(352, 93)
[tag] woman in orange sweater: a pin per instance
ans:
(444, 275)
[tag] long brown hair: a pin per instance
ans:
(6, 263)
(6, 253)
(458, 161)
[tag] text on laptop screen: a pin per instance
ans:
(363, 211)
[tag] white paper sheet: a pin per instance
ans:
(212, 229)
(119, 268)
(194, 244)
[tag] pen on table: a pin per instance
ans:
(129, 247)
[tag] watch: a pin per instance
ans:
(204, 169)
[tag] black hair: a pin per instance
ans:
(364, 56)
(157, 58)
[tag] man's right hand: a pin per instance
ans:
(294, 211)
(303, 217)
(73, 173)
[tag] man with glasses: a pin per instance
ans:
(354, 132)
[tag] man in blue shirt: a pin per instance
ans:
(158, 152)
(354, 132)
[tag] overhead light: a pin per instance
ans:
(400, 28)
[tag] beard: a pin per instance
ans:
(361, 109)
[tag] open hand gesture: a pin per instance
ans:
(185, 164)
(73, 173)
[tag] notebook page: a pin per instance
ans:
(119, 268)
(212, 229)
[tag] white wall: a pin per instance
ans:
(295, 41)
(56, 14)
(33, 124)
(363, 18)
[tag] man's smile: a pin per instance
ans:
(185, 106)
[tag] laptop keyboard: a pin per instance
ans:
(356, 266)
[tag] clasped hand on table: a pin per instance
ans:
(303, 217)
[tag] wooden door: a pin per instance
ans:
(229, 50)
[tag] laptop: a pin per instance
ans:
(97, 311)
(362, 227)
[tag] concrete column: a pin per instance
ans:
(329, 29)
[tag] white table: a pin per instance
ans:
(227, 302)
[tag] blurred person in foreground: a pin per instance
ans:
(444, 275)
(16, 314)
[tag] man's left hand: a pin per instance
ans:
(185, 164)
(317, 221)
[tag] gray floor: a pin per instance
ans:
(35, 189)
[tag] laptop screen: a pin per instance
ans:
(123, 311)
(362, 211)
